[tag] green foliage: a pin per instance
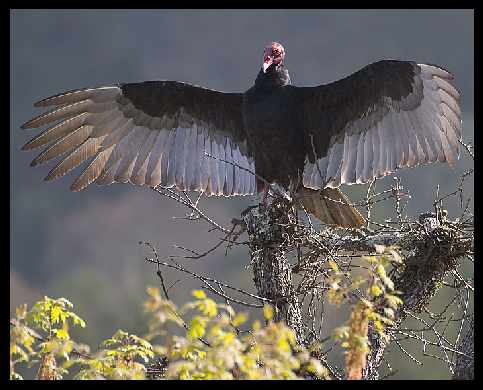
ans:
(215, 343)
(42, 335)
(21, 342)
(376, 305)
(123, 356)
(226, 351)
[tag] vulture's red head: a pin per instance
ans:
(274, 53)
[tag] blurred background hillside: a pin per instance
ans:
(84, 246)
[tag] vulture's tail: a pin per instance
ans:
(330, 206)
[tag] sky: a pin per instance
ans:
(85, 245)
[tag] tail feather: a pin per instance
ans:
(330, 206)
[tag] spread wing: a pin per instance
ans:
(151, 133)
(388, 115)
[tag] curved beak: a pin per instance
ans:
(267, 61)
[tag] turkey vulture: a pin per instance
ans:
(310, 140)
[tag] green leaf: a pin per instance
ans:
(77, 320)
(341, 332)
(268, 312)
(208, 307)
(199, 294)
(228, 339)
(55, 313)
(375, 290)
(393, 301)
(333, 265)
(370, 259)
(378, 326)
(239, 319)
(283, 345)
(381, 271)
(62, 334)
(197, 327)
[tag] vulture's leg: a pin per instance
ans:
(265, 190)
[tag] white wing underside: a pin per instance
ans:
(402, 138)
(126, 145)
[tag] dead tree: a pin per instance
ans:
(436, 246)
(272, 274)
(289, 258)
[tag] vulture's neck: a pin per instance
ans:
(274, 77)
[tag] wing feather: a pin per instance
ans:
(360, 158)
(150, 133)
(153, 170)
(351, 142)
(93, 170)
(222, 165)
(125, 170)
(98, 94)
(181, 155)
(191, 159)
(107, 175)
(388, 115)
(228, 189)
(60, 113)
(237, 185)
(65, 144)
(368, 156)
(204, 147)
(141, 166)
(83, 152)
(453, 118)
(168, 162)
(58, 131)
(411, 140)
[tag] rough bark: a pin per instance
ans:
(272, 273)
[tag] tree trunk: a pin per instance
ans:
(272, 273)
